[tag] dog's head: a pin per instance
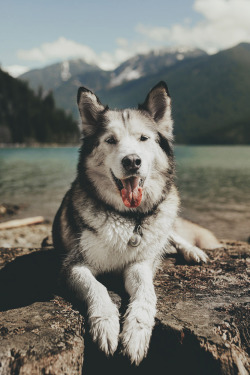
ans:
(127, 154)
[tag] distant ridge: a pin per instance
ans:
(84, 74)
(210, 93)
(52, 76)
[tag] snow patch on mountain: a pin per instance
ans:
(65, 71)
(128, 74)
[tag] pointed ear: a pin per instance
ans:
(158, 105)
(90, 109)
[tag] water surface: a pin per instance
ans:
(214, 183)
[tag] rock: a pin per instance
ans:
(42, 337)
(47, 241)
(7, 209)
(201, 326)
(205, 312)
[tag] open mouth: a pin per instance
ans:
(130, 189)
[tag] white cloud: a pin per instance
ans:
(226, 23)
(64, 49)
(61, 49)
(15, 70)
(122, 42)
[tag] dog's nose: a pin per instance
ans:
(131, 162)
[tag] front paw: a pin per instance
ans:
(135, 339)
(105, 331)
(194, 254)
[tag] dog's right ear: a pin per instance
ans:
(90, 109)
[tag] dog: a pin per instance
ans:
(120, 215)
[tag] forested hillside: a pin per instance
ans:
(210, 93)
(210, 96)
(29, 118)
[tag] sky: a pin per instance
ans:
(36, 33)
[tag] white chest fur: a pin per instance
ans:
(111, 249)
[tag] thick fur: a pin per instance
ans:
(195, 234)
(93, 227)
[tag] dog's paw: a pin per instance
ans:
(194, 254)
(135, 339)
(105, 332)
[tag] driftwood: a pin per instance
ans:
(202, 324)
(21, 222)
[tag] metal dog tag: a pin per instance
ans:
(135, 240)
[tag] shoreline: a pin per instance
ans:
(30, 236)
(69, 145)
(38, 145)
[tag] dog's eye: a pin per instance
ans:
(111, 140)
(144, 138)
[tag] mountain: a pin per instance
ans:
(210, 96)
(29, 118)
(151, 63)
(210, 93)
(52, 76)
(65, 78)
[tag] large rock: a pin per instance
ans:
(43, 337)
(205, 312)
(201, 326)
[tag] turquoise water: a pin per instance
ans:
(214, 183)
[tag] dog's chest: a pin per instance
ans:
(111, 248)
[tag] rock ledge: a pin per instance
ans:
(202, 324)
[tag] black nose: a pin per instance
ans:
(131, 162)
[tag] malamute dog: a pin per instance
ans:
(120, 215)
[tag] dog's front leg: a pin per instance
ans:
(139, 318)
(102, 313)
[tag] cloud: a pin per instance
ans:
(60, 49)
(226, 23)
(15, 70)
(64, 49)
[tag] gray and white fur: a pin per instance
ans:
(124, 191)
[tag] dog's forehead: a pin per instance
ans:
(130, 120)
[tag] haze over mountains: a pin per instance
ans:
(210, 93)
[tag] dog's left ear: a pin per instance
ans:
(90, 109)
(158, 105)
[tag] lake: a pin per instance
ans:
(214, 183)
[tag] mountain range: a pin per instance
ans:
(64, 78)
(210, 93)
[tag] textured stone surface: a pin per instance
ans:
(207, 307)
(38, 334)
(202, 324)
(43, 338)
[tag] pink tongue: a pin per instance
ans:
(132, 192)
